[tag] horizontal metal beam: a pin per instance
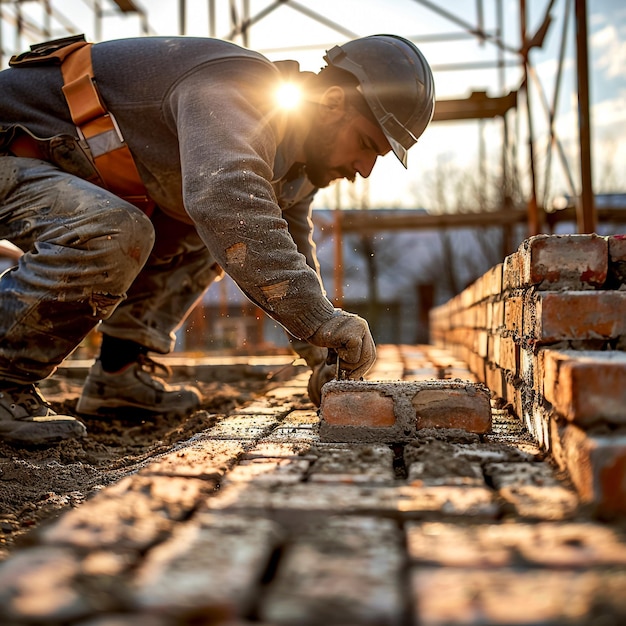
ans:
(478, 106)
(375, 221)
(128, 6)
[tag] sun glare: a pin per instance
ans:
(288, 96)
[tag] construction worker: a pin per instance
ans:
(134, 172)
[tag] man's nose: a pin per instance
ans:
(365, 165)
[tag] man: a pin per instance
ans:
(192, 170)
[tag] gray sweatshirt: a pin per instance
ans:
(199, 118)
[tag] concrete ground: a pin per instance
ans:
(257, 521)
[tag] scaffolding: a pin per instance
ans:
(27, 21)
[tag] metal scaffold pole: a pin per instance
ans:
(585, 207)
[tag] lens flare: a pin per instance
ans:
(288, 96)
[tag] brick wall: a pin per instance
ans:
(546, 331)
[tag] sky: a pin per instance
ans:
(449, 155)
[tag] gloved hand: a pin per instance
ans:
(349, 335)
(322, 373)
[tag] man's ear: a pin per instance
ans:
(332, 105)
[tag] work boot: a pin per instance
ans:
(27, 419)
(135, 387)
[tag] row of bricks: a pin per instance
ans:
(562, 396)
(539, 318)
(164, 544)
(549, 388)
(585, 387)
(394, 411)
(552, 262)
(340, 569)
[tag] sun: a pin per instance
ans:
(288, 96)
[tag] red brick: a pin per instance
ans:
(392, 411)
(55, 598)
(512, 272)
(490, 597)
(453, 408)
(493, 281)
(368, 408)
(481, 315)
(209, 566)
(545, 544)
(586, 387)
(570, 315)
(617, 259)
(597, 467)
(495, 381)
(481, 346)
(132, 514)
(564, 261)
(497, 315)
(513, 314)
(322, 579)
(507, 354)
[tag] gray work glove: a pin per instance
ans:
(322, 373)
(349, 336)
(321, 370)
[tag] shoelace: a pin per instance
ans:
(152, 367)
(27, 396)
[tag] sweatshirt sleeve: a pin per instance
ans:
(227, 139)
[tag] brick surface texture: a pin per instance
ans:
(259, 520)
(557, 354)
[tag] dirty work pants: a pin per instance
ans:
(89, 257)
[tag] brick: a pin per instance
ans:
(597, 467)
(586, 387)
(343, 570)
(300, 418)
(131, 514)
(269, 471)
(242, 427)
(132, 619)
(481, 346)
(305, 499)
(512, 272)
(494, 379)
(510, 596)
(540, 544)
(204, 458)
(293, 435)
(575, 315)
(507, 353)
(497, 315)
(533, 490)
(465, 407)
(493, 280)
(353, 464)
(477, 365)
(367, 407)
(265, 449)
(39, 584)
(617, 260)
(462, 473)
(514, 314)
(394, 411)
(209, 566)
(481, 315)
(572, 262)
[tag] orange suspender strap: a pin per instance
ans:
(98, 127)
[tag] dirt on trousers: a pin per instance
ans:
(38, 484)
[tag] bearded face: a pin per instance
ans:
(319, 149)
(342, 146)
